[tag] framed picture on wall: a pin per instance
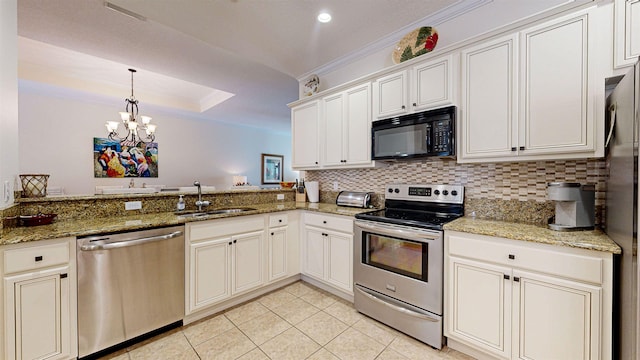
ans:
(272, 168)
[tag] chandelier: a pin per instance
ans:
(138, 128)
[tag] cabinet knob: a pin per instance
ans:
(514, 148)
(323, 234)
(39, 258)
(324, 221)
(316, 163)
(63, 276)
(414, 104)
(521, 148)
(403, 107)
(512, 257)
(506, 277)
(272, 234)
(516, 279)
(280, 220)
(230, 243)
(235, 241)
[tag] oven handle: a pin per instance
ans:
(416, 235)
(396, 307)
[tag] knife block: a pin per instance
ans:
(301, 197)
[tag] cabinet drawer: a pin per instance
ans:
(278, 220)
(35, 257)
(223, 227)
(559, 261)
(342, 224)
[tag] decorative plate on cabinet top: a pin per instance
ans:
(311, 85)
(418, 42)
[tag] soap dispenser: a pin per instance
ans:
(180, 205)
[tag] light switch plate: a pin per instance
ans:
(133, 205)
(335, 186)
(280, 197)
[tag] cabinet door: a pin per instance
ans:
(340, 256)
(554, 112)
(627, 32)
(357, 144)
(432, 84)
(489, 100)
(304, 123)
(38, 309)
(247, 261)
(277, 253)
(390, 95)
(333, 131)
(558, 319)
(209, 273)
(479, 307)
(314, 253)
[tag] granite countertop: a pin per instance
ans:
(59, 229)
(587, 239)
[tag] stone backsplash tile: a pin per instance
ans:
(515, 191)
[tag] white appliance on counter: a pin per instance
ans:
(622, 211)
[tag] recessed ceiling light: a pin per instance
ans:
(324, 17)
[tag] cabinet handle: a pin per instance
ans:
(512, 257)
(506, 277)
(514, 148)
(415, 104)
(516, 279)
(63, 276)
(38, 258)
(521, 148)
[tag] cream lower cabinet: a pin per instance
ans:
(514, 300)
(40, 300)
(225, 258)
(283, 247)
(327, 250)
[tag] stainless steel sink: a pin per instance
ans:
(195, 213)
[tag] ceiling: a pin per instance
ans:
(190, 53)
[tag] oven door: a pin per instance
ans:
(401, 262)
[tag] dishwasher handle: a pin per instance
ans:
(121, 244)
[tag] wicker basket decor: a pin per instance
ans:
(34, 185)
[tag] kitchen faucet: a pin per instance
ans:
(200, 203)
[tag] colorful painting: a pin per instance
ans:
(115, 160)
(271, 168)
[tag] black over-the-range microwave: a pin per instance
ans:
(428, 133)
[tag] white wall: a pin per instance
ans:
(57, 127)
(8, 99)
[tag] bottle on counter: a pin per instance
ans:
(180, 205)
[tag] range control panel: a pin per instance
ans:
(426, 192)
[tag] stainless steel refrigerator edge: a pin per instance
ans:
(622, 211)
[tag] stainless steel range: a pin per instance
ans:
(398, 264)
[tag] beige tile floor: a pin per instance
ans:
(298, 321)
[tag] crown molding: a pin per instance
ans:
(459, 8)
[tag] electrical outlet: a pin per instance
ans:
(335, 186)
(280, 197)
(133, 205)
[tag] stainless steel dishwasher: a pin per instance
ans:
(128, 285)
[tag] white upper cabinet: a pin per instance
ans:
(489, 107)
(426, 85)
(346, 128)
(432, 84)
(390, 95)
(531, 95)
(627, 32)
(305, 140)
